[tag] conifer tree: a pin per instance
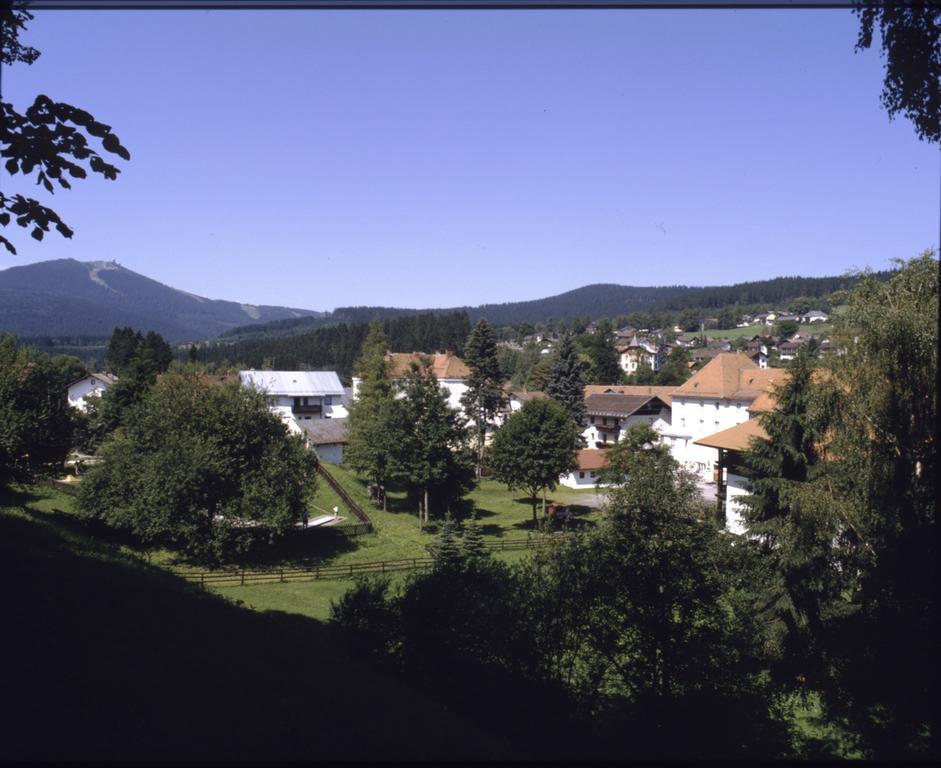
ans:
(604, 358)
(565, 384)
(446, 550)
(484, 396)
(473, 540)
(432, 451)
(796, 539)
(374, 423)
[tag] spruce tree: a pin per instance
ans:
(473, 540)
(446, 550)
(604, 358)
(484, 396)
(565, 384)
(795, 538)
(374, 423)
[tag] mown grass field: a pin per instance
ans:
(817, 329)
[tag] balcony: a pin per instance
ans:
(611, 429)
(306, 410)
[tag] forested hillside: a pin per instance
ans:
(337, 347)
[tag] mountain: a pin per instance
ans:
(65, 297)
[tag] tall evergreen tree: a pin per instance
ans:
(472, 543)
(795, 538)
(433, 454)
(374, 422)
(446, 549)
(484, 396)
(565, 384)
(604, 358)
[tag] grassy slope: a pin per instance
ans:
(817, 329)
(107, 657)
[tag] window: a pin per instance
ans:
(581, 475)
(717, 405)
(717, 426)
(682, 422)
(328, 400)
(604, 420)
(591, 474)
(592, 419)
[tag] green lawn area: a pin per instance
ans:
(817, 329)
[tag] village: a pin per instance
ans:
(706, 422)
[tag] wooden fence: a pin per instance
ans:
(341, 492)
(237, 577)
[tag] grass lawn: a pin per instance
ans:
(817, 329)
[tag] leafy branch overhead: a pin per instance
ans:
(50, 139)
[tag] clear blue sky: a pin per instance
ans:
(320, 159)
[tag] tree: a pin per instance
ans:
(604, 359)
(784, 329)
(446, 549)
(879, 486)
(374, 420)
(484, 395)
(911, 46)
(728, 318)
(534, 447)
(675, 369)
(472, 543)
(565, 384)
(434, 457)
(689, 320)
(649, 617)
(207, 468)
(50, 138)
(35, 420)
(796, 538)
(137, 359)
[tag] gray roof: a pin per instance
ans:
(104, 378)
(325, 431)
(293, 383)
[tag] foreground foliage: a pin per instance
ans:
(205, 468)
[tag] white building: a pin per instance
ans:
(92, 385)
(327, 438)
(590, 461)
(299, 396)
(639, 353)
(611, 411)
(714, 399)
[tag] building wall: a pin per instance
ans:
(660, 423)
(579, 479)
(735, 490)
(454, 387)
(330, 454)
(699, 417)
(85, 388)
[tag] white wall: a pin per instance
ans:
(659, 423)
(575, 479)
(735, 490)
(85, 388)
(454, 387)
(699, 417)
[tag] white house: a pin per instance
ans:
(327, 437)
(714, 399)
(815, 316)
(637, 353)
(611, 411)
(590, 460)
(450, 371)
(91, 385)
(299, 396)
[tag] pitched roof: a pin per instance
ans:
(618, 405)
(735, 438)
(753, 383)
(104, 378)
(326, 431)
(444, 366)
(664, 393)
(591, 458)
(718, 378)
(293, 383)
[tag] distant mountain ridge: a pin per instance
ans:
(68, 297)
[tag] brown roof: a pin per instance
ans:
(444, 366)
(591, 458)
(754, 383)
(735, 438)
(664, 393)
(617, 404)
(719, 377)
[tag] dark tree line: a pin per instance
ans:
(337, 347)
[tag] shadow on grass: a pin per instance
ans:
(119, 660)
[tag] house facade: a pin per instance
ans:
(611, 413)
(638, 353)
(92, 385)
(450, 371)
(716, 398)
(299, 396)
(590, 462)
(327, 438)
